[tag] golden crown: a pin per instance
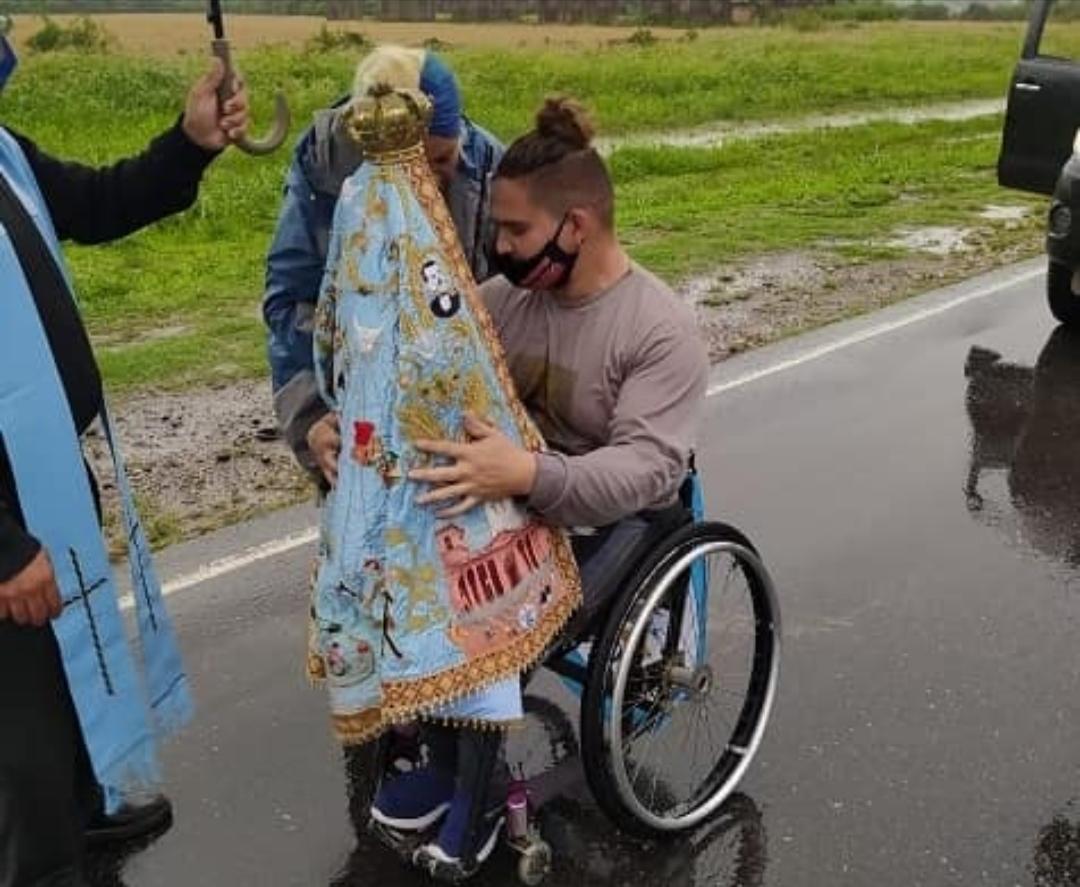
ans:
(388, 121)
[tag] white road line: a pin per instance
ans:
(234, 562)
(872, 333)
(256, 553)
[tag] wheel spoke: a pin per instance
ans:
(645, 721)
(727, 578)
(696, 747)
(708, 723)
(656, 782)
(648, 755)
(645, 757)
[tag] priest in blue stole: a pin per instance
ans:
(80, 714)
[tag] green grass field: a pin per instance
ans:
(725, 74)
(683, 210)
(178, 304)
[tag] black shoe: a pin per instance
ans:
(130, 823)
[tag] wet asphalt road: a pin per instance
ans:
(918, 504)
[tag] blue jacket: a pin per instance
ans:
(323, 159)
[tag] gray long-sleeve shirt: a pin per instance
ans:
(616, 383)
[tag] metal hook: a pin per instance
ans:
(282, 117)
(220, 47)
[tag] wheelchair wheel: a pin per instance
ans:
(681, 682)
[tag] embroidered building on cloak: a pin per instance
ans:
(505, 572)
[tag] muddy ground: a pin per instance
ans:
(779, 295)
(205, 458)
(198, 460)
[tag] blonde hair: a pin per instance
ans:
(396, 66)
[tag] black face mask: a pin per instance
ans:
(549, 269)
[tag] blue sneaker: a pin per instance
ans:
(415, 800)
(448, 857)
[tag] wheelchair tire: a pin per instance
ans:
(673, 681)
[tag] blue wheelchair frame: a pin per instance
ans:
(572, 665)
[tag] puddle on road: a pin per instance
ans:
(728, 851)
(937, 240)
(1057, 851)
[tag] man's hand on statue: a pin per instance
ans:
(207, 125)
(324, 440)
(490, 466)
(31, 597)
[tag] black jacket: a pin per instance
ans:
(87, 205)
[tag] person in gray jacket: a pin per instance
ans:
(463, 157)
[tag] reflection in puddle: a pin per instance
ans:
(1057, 853)
(1024, 473)
(729, 851)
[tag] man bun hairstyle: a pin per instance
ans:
(558, 162)
(565, 120)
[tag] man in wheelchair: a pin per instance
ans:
(610, 364)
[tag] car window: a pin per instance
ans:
(1061, 37)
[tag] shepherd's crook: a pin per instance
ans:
(220, 47)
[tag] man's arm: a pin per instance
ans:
(294, 269)
(94, 205)
(655, 420)
(91, 205)
(654, 423)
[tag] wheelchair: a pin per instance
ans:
(676, 676)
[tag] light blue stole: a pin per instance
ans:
(121, 707)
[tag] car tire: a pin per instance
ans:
(1062, 295)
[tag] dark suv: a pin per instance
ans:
(1040, 151)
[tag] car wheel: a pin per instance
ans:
(1063, 293)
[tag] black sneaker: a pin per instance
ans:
(131, 822)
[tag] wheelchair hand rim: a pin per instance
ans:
(746, 753)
